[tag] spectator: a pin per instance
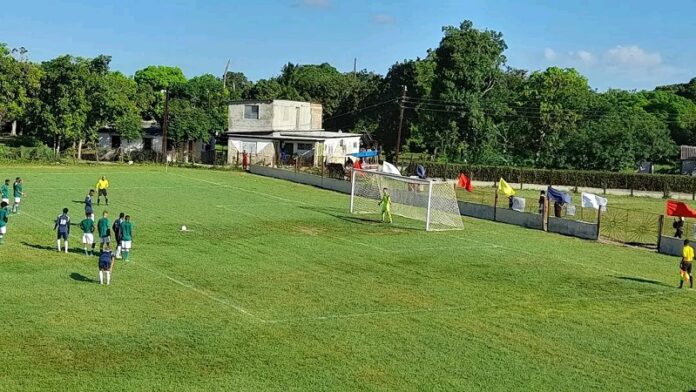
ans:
(557, 208)
(678, 227)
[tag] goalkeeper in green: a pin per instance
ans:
(386, 202)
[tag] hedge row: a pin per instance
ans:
(41, 153)
(579, 178)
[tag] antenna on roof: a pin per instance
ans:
(224, 76)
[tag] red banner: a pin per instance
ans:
(465, 182)
(677, 208)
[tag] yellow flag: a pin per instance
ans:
(505, 188)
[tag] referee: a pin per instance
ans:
(686, 265)
(102, 186)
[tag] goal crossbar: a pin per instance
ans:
(433, 203)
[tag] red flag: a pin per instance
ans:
(465, 182)
(677, 208)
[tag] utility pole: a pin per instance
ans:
(165, 125)
(401, 124)
(355, 67)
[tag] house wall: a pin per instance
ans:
(335, 150)
(265, 151)
(279, 115)
(237, 122)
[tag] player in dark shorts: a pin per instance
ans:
(116, 227)
(686, 265)
(62, 228)
(106, 261)
(102, 186)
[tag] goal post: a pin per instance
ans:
(432, 202)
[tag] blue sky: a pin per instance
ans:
(633, 44)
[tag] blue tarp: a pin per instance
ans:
(556, 195)
(365, 154)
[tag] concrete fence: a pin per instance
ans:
(525, 219)
(670, 245)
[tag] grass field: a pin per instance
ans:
(276, 287)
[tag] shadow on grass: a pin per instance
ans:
(643, 280)
(81, 278)
(52, 249)
(339, 214)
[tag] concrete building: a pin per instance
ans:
(278, 132)
(687, 156)
(150, 141)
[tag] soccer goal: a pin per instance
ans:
(434, 203)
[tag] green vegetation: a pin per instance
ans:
(276, 287)
(463, 104)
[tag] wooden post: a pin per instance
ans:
(495, 206)
(599, 220)
(546, 213)
(660, 227)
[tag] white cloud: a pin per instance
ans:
(313, 3)
(585, 56)
(632, 57)
(550, 54)
(383, 19)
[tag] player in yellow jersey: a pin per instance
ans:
(102, 186)
(686, 264)
(386, 202)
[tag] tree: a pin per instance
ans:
(677, 112)
(237, 85)
(554, 103)
(467, 68)
(20, 81)
(160, 77)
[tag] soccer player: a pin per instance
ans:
(127, 236)
(88, 205)
(104, 232)
(106, 261)
(5, 191)
(87, 226)
(3, 221)
(102, 186)
(117, 233)
(17, 187)
(386, 205)
(63, 229)
(686, 264)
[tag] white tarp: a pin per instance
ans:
(389, 168)
(518, 203)
(590, 200)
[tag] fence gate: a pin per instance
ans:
(630, 227)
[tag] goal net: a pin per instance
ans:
(434, 203)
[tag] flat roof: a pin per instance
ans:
(299, 135)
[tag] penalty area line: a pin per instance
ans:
(203, 293)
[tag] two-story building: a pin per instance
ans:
(276, 132)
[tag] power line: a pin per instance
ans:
(362, 109)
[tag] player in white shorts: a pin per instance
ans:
(5, 192)
(87, 226)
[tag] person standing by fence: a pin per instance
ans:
(542, 202)
(678, 226)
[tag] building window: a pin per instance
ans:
(304, 146)
(355, 144)
(147, 144)
(115, 141)
(251, 112)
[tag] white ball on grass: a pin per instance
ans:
(183, 228)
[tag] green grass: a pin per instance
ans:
(276, 287)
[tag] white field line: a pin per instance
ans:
(110, 188)
(262, 194)
(203, 293)
(456, 308)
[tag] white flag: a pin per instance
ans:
(590, 200)
(389, 168)
(518, 203)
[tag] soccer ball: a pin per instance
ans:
(130, 162)
(183, 228)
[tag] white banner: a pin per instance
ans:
(590, 200)
(389, 168)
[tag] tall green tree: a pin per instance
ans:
(20, 81)
(468, 67)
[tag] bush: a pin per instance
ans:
(577, 178)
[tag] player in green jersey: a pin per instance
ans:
(87, 226)
(126, 237)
